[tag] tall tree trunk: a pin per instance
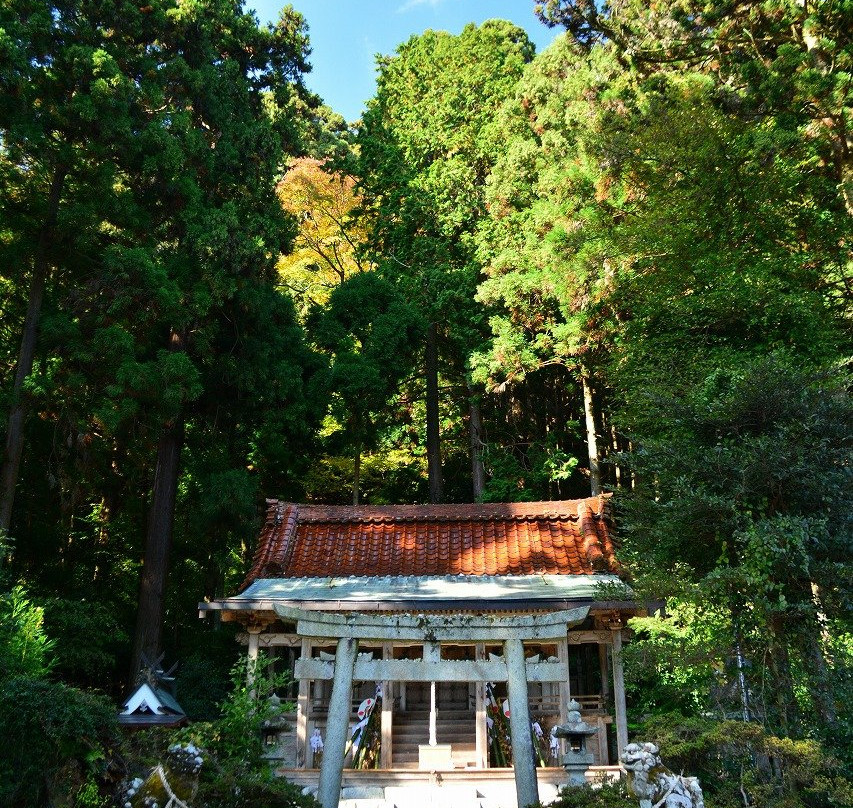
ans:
(433, 438)
(475, 429)
(813, 636)
(782, 681)
(356, 472)
(614, 443)
(591, 439)
(158, 542)
(18, 412)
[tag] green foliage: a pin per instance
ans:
(234, 772)
(658, 206)
(684, 661)
(25, 648)
(604, 795)
(87, 639)
(515, 477)
(229, 790)
(203, 679)
(425, 152)
(90, 795)
(750, 520)
(234, 739)
(387, 476)
(57, 740)
(736, 761)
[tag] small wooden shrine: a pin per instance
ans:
(470, 627)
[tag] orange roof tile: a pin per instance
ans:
(571, 537)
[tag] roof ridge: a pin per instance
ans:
(275, 545)
(545, 509)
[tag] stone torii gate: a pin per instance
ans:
(431, 630)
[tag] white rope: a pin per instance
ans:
(174, 800)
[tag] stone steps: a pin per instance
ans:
(454, 727)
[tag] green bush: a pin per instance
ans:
(606, 795)
(735, 761)
(56, 739)
(224, 788)
(234, 739)
(25, 649)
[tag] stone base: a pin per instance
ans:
(435, 757)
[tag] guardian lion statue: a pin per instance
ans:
(654, 784)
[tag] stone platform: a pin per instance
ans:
(456, 788)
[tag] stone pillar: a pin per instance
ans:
(302, 708)
(481, 730)
(252, 654)
(565, 687)
(337, 727)
(619, 693)
(432, 653)
(526, 785)
(387, 752)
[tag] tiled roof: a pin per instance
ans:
(571, 537)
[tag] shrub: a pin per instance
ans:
(224, 788)
(606, 795)
(55, 739)
(24, 646)
(737, 761)
(235, 739)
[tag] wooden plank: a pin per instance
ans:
(602, 637)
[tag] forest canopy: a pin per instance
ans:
(622, 264)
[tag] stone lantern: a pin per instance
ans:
(576, 760)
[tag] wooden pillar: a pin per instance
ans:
(481, 730)
(337, 727)
(526, 785)
(603, 755)
(387, 751)
(604, 695)
(619, 693)
(605, 674)
(302, 708)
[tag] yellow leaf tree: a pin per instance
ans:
(327, 250)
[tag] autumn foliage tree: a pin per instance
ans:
(329, 245)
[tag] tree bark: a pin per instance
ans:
(614, 443)
(26, 354)
(813, 635)
(432, 426)
(356, 473)
(158, 542)
(782, 682)
(475, 429)
(591, 439)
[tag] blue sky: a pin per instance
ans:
(347, 34)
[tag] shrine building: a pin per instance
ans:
(468, 624)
